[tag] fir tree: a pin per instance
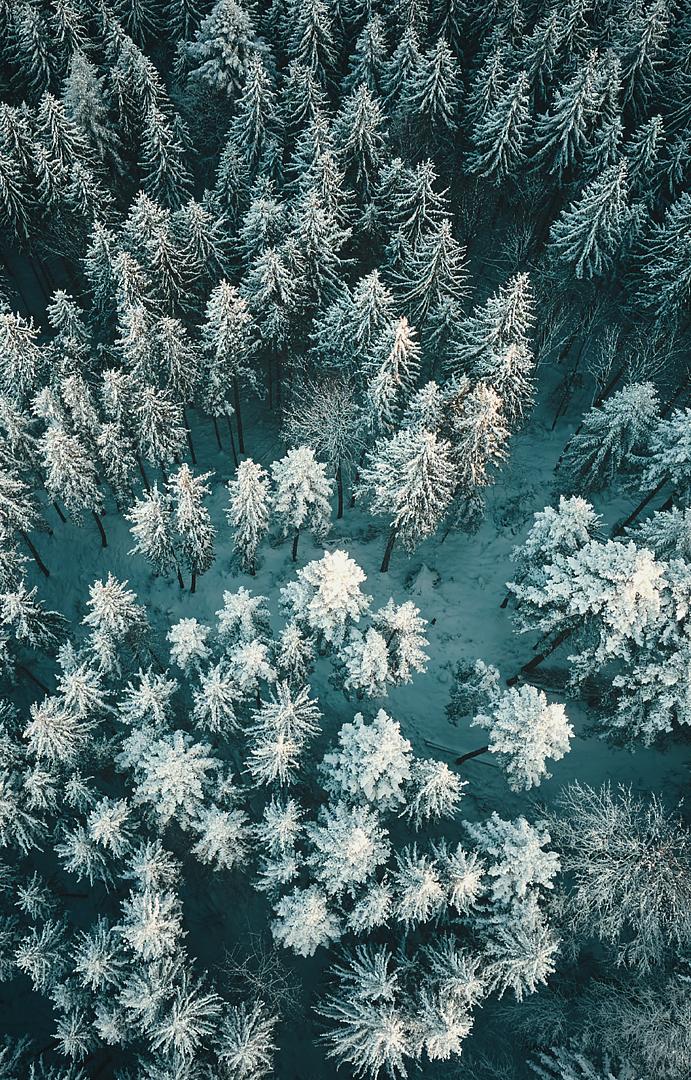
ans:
(312, 40)
(359, 138)
(165, 176)
(431, 96)
(218, 55)
(152, 529)
(613, 438)
(524, 731)
(505, 319)
(500, 138)
(192, 520)
(302, 493)
(249, 509)
(71, 475)
(409, 479)
(589, 234)
(435, 272)
(326, 596)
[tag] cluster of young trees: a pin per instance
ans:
(212, 763)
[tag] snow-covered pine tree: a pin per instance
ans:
(188, 647)
(410, 479)
(613, 439)
(603, 596)
(371, 763)
(191, 520)
(71, 475)
(667, 533)
(158, 425)
(430, 98)
(214, 700)
(227, 343)
(254, 114)
(301, 494)
(326, 415)
(249, 510)
(500, 138)
(476, 428)
(326, 598)
(560, 530)
(367, 63)
(312, 38)
(589, 235)
(114, 619)
(506, 318)
(563, 133)
(403, 630)
(395, 366)
(434, 273)
(21, 358)
(217, 56)
(319, 242)
(360, 139)
(524, 731)
(151, 520)
(365, 661)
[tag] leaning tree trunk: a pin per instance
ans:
(20, 669)
(188, 434)
(104, 541)
(295, 545)
(217, 432)
(238, 415)
(36, 557)
(232, 441)
(339, 490)
(58, 511)
(618, 529)
(473, 753)
(537, 660)
(142, 470)
(389, 548)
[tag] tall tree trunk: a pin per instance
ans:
(473, 753)
(232, 441)
(295, 545)
(56, 507)
(188, 434)
(238, 415)
(339, 490)
(218, 434)
(270, 381)
(104, 541)
(193, 585)
(142, 470)
(389, 548)
(36, 557)
(618, 529)
(181, 582)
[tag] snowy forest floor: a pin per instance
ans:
(459, 583)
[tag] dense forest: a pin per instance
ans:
(345, 539)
